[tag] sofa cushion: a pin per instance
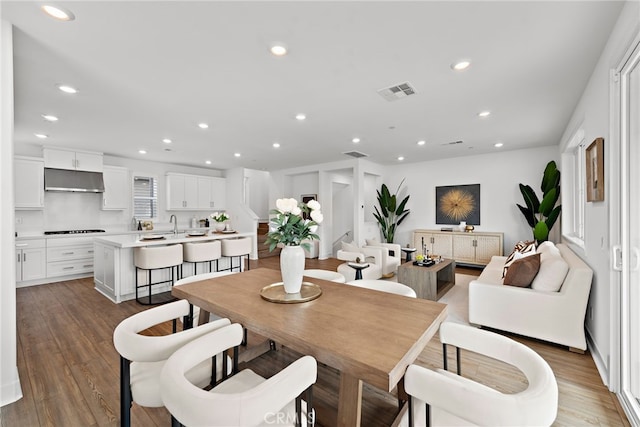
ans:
(372, 242)
(522, 272)
(552, 272)
(525, 248)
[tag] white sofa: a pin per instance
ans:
(557, 317)
(378, 254)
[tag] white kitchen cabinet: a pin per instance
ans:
(475, 248)
(116, 188)
(73, 160)
(69, 256)
(31, 260)
(212, 193)
(28, 183)
(104, 267)
(182, 192)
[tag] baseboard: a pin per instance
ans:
(10, 391)
(601, 365)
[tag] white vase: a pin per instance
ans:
(219, 226)
(292, 268)
(463, 225)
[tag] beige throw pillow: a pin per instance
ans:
(350, 247)
(551, 275)
(372, 242)
(522, 272)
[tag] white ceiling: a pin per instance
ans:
(152, 70)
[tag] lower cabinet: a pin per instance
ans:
(104, 267)
(466, 248)
(69, 256)
(31, 260)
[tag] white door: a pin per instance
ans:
(629, 299)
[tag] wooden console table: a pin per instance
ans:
(475, 248)
(429, 282)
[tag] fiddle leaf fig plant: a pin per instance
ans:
(542, 215)
(391, 214)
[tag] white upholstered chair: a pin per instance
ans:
(393, 258)
(329, 275)
(243, 399)
(142, 357)
(378, 255)
(384, 286)
(197, 278)
(447, 399)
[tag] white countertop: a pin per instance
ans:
(41, 235)
(136, 241)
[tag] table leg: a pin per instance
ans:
(203, 317)
(349, 401)
(358, 274)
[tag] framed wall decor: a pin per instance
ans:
(594, 155)
(306, 198)
(455, 203)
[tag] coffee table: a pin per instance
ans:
(429, 282)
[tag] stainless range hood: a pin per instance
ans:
(70, 180)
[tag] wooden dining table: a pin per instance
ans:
(369, 336)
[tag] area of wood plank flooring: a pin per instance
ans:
(69, 369)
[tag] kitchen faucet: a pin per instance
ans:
(175, 223)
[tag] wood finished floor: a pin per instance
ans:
(69, 369)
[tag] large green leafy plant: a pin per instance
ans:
(542, 215)
(391, 214)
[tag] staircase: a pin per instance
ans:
(263, 250)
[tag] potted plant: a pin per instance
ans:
(290, 229)
(219, 218)
(542, 215)
(391, 214)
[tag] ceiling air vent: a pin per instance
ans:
(452, 143)
(356, 154)
(396, 92)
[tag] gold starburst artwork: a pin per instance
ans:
(457, 204)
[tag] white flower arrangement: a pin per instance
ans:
(219, 216)
(289, 226)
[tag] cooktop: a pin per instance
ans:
(73, 232)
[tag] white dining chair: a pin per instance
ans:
(443, 398)
(384, 286)
(142, 357)
(242, 399)
(197, 278)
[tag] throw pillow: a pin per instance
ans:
(372, 242)
(551, 275)
(521, 248)
(350, 247)
(522, 272)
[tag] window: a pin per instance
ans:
(573, 191)
(145, 197)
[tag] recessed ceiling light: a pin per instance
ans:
(41, 135)
(355, 140)
(208, 162)
(67, 89)
(498, 144)
(421, 142)
(203, 125)
(278, 50)
(484, 113)
(58, 12)
(400, 158)
(167, 141)
(236, 154)
(276, 145)
(142, 151)
(300, 117)
(49, 118)
(460, 65)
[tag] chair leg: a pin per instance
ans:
(174, 422)
(445, 363)
(125, 393)
(149, 286)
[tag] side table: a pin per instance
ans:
(358, 268)
(408, 252)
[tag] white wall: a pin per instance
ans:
(10, 390)
(592, 113)
(258, 192)
(498, 175)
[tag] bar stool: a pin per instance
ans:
(236, 248)
(157, 258)
(196, 252)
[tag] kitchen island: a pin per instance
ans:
(114, 271)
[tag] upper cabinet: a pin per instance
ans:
(194, 192)
(29, 183)
(116, 188)
(58, 158)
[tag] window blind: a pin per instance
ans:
(145, 197)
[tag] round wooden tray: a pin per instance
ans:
(275, 293)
